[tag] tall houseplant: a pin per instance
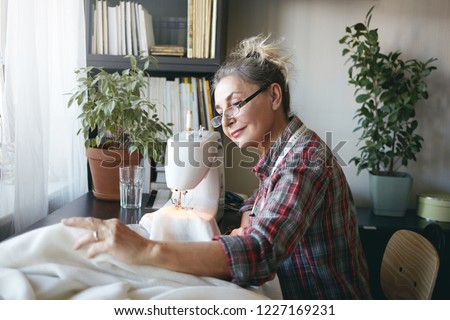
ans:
(387, 91)
(118, 124)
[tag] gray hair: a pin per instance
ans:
(256, 60)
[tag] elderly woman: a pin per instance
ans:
(300, 224)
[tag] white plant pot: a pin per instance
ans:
(390, 195)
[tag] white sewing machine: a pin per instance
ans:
(195, 173)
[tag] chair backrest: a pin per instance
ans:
(409, 267)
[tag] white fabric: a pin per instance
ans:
(170, 223)
(41, 264)
(45, 43)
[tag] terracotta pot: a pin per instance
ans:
(104, 165)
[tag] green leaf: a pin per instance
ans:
(362, 98)
(359, 27)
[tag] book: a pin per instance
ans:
(161, 92)
(212, 54)
(198, 32)
(207, 28)
(105, 27)
(122, 29)
(175, 106)
(185, 101)
(146, 25)
(113, 45)
(138, 30)
(134, 36)
(196, 122)
(201, 103)
(209, 106)
(99, 29)
(190, 29)
(93, 28)
(181, 31)
(128, 35)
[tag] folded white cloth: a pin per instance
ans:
(41, 264)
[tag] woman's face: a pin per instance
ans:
(256, 122)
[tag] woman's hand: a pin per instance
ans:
(244, 224)
(204, 258)
(238, 231)
(110, 236)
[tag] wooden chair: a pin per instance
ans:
(409, 267)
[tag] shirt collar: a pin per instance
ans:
(266, 162)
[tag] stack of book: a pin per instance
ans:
(168, 50)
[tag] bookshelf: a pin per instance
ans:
(169, 66)
(198, 70)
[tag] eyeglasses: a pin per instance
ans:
(233, 110)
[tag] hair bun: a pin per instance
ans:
(263, 51)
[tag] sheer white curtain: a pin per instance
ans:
(46, 164)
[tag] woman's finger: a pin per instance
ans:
(96, 248)
(88, 237)
(87, 223)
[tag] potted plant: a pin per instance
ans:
(119, 126)
(387, 91)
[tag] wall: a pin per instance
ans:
(321, 95)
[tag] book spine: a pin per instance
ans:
(209, 105)
(212, 53)
(99, 17)
(128, 35)
(93, 28)
(123, 43)
(190, 29)
(105, 27)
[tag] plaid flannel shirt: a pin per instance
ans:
(304, 227)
